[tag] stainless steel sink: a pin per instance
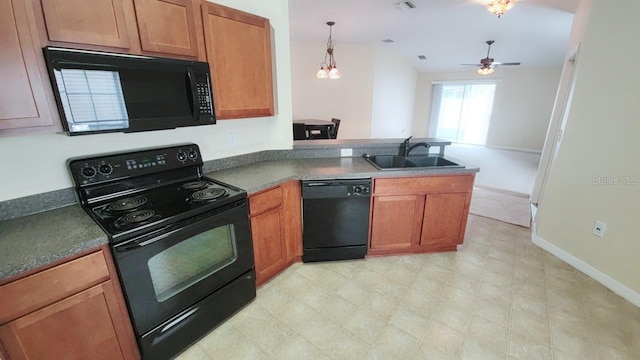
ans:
(395, 162)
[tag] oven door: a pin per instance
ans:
(164, 272)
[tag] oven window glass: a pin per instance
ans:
(191, 260)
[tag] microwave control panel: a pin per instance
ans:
(204, 98)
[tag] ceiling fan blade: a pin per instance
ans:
(506, 63)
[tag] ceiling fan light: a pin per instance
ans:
(499, 7)
(485, 70)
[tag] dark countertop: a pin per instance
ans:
(260, 176)
(36, 240)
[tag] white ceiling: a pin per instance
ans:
(447, 32)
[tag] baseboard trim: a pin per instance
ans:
(615, 286)
(534, 151)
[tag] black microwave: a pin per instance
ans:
(100, 92)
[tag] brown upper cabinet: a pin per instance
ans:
(96, 22)
(171, 27)
(24, 104)
(154, 27)
(239, 53)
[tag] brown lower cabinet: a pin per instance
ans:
(276, 229)
(419, 214)
(74, 310)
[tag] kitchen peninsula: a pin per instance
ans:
(23, 248)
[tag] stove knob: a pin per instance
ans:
(105, 169)
(193, 154)
(88, 172)
(181, 156)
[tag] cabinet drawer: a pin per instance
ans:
(422, 185)
(36, 291)
(266, 200)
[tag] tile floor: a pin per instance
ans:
(500, 297)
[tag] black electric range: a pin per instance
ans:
(133, 193)
(181, 241)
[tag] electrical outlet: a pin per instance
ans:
(346, 152)
(232, 139)
(599, 228)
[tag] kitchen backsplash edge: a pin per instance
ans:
(33, 204)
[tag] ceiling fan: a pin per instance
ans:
(486, 65)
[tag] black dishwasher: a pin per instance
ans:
(335, 219)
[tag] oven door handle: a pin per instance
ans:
(141, 243)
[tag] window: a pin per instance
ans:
(461, 112)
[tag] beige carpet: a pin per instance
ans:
(500, 205)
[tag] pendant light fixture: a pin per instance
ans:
(499, 7)
(329, 69)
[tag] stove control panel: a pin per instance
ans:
(108, 167)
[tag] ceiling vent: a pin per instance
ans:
(422, 57)
(388, 41)
(405, 5)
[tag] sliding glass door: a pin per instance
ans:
(461, 112)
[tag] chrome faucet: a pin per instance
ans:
(406, 148)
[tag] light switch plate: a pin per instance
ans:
(346, 152)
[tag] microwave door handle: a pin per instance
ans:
(65, 64)
(194, 94)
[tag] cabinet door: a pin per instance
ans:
(23, 102)
(395, 223)
(239, 53)
(95, 22)
(83, 326)
(170, 27)
(444, 219)
(269, 243)
(293, 219)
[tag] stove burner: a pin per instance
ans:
(127, 204)
(135, 217)
(208, 194)
(194, 185)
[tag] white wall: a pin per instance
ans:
(35, 164)
(348, 98)
(394, 90)
(522, 106)
(599, 151)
